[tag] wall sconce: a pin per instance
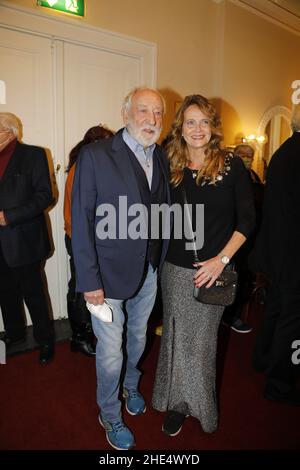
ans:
(255, 139)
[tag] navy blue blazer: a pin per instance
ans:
(103, 174)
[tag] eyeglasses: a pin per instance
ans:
(192, 123)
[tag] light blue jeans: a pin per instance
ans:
(109, 354)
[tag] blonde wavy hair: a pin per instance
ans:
(176, 147)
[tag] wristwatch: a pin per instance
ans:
(225, 259)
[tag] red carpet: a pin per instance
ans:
(54, 407)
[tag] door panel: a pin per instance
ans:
(26, 70)
(95, 85)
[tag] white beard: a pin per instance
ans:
(141, 137)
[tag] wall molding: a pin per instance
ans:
(268, 115)
(273, 115)
(271, 12)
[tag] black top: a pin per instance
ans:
(228, 206)
(241, 258)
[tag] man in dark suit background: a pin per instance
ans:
(25, 192)
(277, 254)
(120, 176)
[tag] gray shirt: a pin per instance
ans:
(143, 155)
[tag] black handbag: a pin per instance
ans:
(223, 291)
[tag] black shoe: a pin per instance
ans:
(173, 423)
(290, 398)
(46, 353)
(12, 340)
(81, 345)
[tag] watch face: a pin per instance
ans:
(225, 259)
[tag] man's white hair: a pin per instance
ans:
(128, 99)
(10, 122)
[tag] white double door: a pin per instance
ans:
(59, 89)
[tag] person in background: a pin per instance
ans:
(25, 192)
(233, 313)
(114, 259)
(186, 371)
(277, 255)
(158, 328)
(79, 316)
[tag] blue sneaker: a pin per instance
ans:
(117, 434)
(134, 401)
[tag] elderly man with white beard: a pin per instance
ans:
(112, 266)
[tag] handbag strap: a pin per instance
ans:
(186, 210)
(229, 267)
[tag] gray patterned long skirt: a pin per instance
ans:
(186, 373)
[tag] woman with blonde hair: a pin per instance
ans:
(185, 377)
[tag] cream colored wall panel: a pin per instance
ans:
(95, 84)
(27, 71)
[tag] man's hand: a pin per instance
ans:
(2, 219)
(95, 297)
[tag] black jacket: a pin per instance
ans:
(277, 252)
(103, 175)
(25, 192)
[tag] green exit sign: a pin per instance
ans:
(74, 7)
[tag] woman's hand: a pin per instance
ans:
(208, 271)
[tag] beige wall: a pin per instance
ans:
(261, 61)
(185, 39)
(244, 62)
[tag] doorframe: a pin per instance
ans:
(61, 30)
(272, 115)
